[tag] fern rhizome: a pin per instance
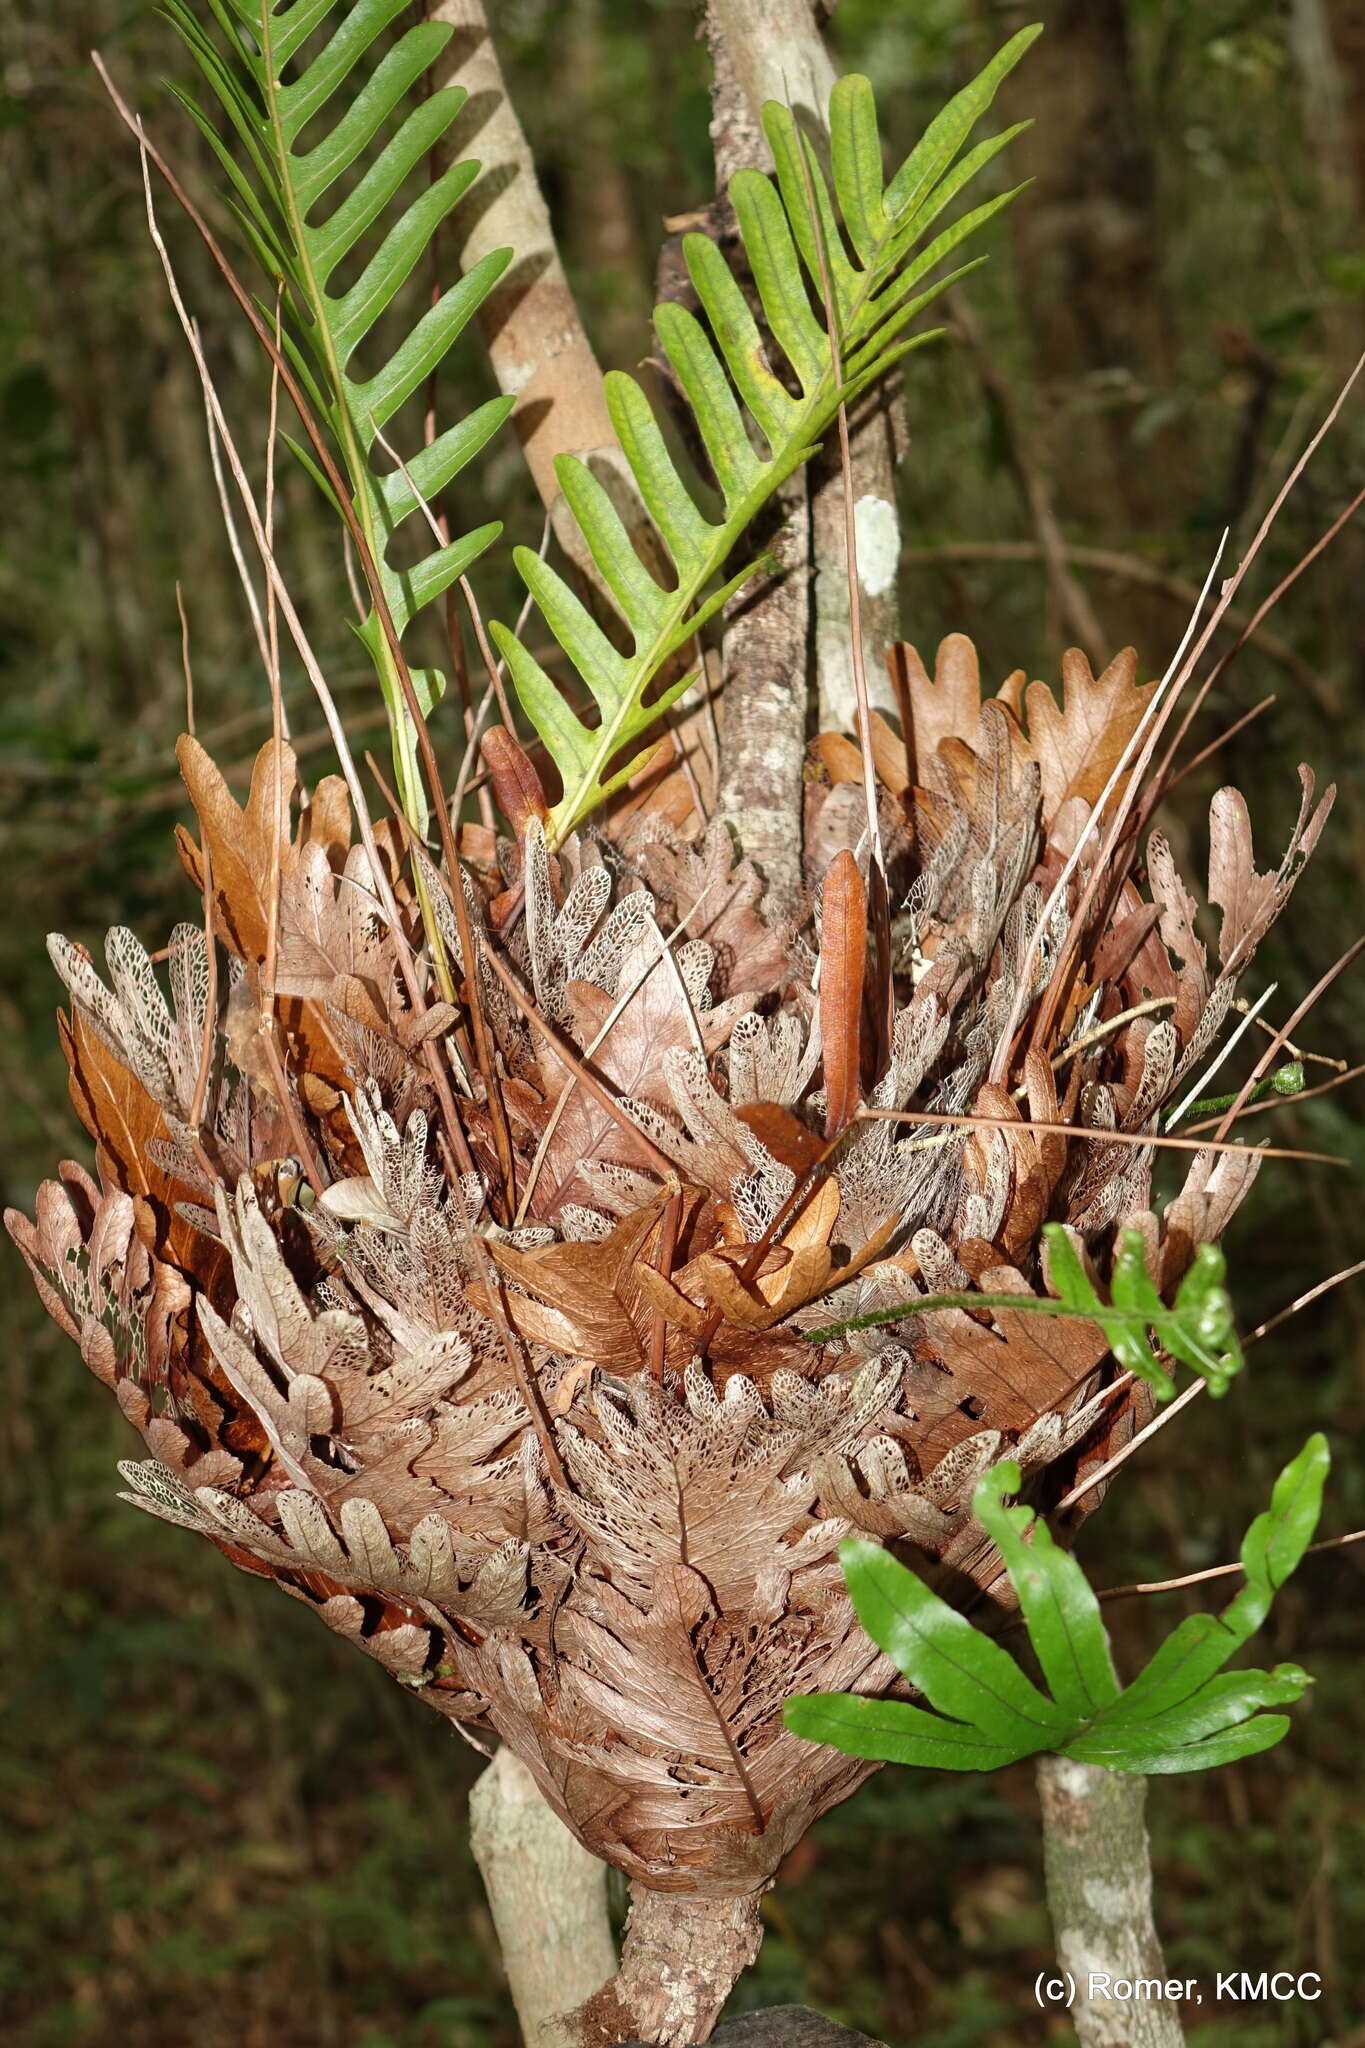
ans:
(530, 1247)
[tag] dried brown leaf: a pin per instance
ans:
(843, 968)
(1078, 746)
(948, 707)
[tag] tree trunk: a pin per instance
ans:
(537, 344)
(1099, 1892)
(548, 1898)
(763, 708)
(681, 1957)
(877, 544)
(786, 2026)
(793, 638)
(777, 53)
(767, 627)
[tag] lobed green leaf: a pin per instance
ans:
(1182, 1713)
(961, 1672)
(945, 134)
(271, 93)
(1056, 1600)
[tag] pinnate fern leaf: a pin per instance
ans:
(883, 269)
(277, 68)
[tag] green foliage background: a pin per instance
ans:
(218, 1824)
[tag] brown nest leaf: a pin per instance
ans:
(1078, 745)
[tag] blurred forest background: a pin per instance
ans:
(218, 1825)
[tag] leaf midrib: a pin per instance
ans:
(779, 467)
(342, 423)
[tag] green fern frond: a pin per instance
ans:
(879, 265)
(303, 215)
(1197, 1328)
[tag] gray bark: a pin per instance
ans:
(777, 52)
(763, 709)
(1099, 1892)
(767, 628)
(548, 1898)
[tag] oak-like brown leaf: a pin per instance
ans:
(1078, 745)
(946, 707)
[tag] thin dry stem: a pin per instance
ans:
(1216, 1065)
(205, 1067)
(1197, 1387)
(1019, 1008)
(1156, 717)
(1282, 1035)
(1220, 1571)
(575, 1065)
(272, 630)
(1096, 1134)
(609, 1022)
(1161, 786)
(1288, 1101)
(407, 965)
(1111, 1465)
(1303, 1301)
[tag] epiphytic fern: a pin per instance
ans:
(1197, 1327)
(272, 94)
(1183, 1712)
(876, 265)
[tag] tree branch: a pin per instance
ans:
(548, 1897)
(1099, 1892)
(680, 1960)
(536, 340)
